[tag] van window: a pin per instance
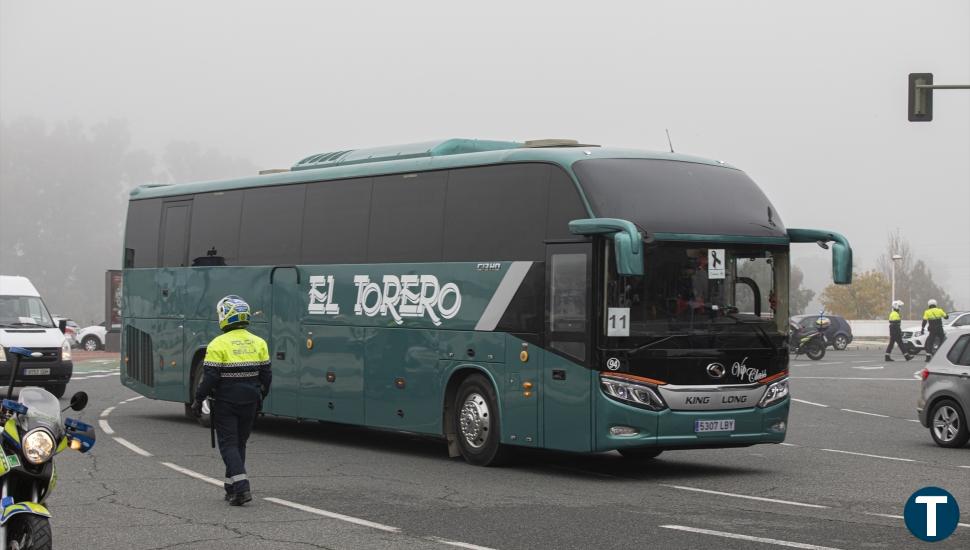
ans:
(406, 218)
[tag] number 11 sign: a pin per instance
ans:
(618, 321)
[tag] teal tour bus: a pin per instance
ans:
(544, 294)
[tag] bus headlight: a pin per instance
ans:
(38, 446)
(65, 351)
(775, 393)
(640, 395)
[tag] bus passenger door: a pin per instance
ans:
(566, 376)
(285, 339)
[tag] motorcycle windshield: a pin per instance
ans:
(43, 409)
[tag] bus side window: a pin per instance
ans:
(273, 218)
(141, 233)
(406, 219)
(215, 228)
(568, 284)
(336, 217)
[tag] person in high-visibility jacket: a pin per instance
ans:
(237, 374)
(895, 332)
(933, 316)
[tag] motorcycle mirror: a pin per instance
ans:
(79, 400)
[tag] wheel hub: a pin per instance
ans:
(475, 420)
(946, 423)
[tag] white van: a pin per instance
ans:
(25, 322)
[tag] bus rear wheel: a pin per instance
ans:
(476, 422)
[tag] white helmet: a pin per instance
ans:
(931, 302)
(898, 304)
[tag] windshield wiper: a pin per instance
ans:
(655, 342)
(757, 326)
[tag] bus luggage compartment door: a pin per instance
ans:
(285, 337)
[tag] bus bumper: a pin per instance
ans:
(675, 429)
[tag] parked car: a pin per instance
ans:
(913, 340)
(70, 331)
(92, 338)
(838, 334)
(945, 394)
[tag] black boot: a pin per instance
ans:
(908, 356)
(928, 357)
(240, 498)
(888, 358)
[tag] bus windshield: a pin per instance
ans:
(693, 288)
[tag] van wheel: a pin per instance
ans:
(647, 453)
(57, 389)
(948, 424)
(477, 425)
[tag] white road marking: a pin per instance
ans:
(133, 399)
(851, 378)
(97, 371)
(459, 544)
(912, 420)
(749, 497)
(333, 515)
(893, 516)
(75, 378)
(865, 361)
(869, 455)
(105, 427)
(870, 368)
(106, 412)
(133, 447)
(748, 538)
(809, 402)
(964, 466)
(864, 412)
(196, 475)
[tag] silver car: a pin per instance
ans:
(945, 394)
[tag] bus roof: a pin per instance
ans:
(416, 157)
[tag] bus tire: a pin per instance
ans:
(645, 453)
(476, 422)
(206, 419)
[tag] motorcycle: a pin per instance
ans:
(810, 341)
(32, 435)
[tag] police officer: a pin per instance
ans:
(933, 316)
(895, 332)
(237, 373)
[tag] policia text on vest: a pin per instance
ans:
(237, 375)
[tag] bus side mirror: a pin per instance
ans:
(841, 264)
(841, 251)
(627, 241)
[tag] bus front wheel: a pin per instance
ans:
(476, 422)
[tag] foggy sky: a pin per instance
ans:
(808, 97)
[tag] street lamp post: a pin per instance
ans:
(896, 258)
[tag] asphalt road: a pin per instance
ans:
(854, 454)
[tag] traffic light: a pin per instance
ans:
(920, 99)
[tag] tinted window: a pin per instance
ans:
(959, 354)
(406, 218)
(335, 222)
(215, 228)
(678, 197)
(272, 219)
(496, 213)
(141, 233)
(564, 205)
(175, 234)
(962, 321)
(567, 293)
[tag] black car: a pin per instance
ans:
(838, 333)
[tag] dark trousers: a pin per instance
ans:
(233, 423)
(895, 338)
(934, 338)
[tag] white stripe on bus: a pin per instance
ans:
(503, 296)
